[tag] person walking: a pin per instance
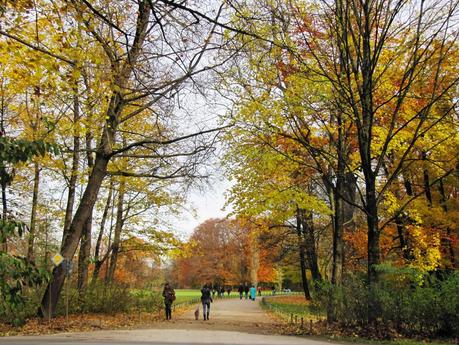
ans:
(228, 290)
(246, 290)
(169, 298)
(206, 299)
(253, 293)
(240, 289)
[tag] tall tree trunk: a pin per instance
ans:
(4, 242)
(338, 224)
(255, 261)
(75, 166)
(117, 235)
(310, 244)
(33, 215)
(99, 261)
(304, 278)
(85, 243)
(84, 256)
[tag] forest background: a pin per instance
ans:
(336, 122)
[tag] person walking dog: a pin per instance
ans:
(206, 299)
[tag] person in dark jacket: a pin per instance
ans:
(169, 298)
(206, 299)
(246, 290)
(240, 289)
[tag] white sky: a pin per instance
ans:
(207, 204)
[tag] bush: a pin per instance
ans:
(403, 300)
(20, 283)
(110, 299)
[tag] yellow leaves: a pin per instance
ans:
(426, 251)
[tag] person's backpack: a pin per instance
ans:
(171, 295)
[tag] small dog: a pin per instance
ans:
(196, 313)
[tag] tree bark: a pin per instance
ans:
(84, 257)
(4, 241)
(117, 235)
(304, 278)
(75, 166)
(33, 215)
(310, 245)
(98, 261)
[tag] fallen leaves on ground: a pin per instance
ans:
(85, 322)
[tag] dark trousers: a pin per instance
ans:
(240, 295)
(206, 309)
(168, 311)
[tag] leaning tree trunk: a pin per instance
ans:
(75, 166)
(52, 293)
(33, 215)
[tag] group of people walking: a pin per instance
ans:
(245, 290)
(206, 297)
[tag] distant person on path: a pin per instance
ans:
(259, 291)
(222, 291)
(273, 290)
(228, 290)
(169, 298)
(240, 289)
(253, 293)
(206, 299)
(246, 290)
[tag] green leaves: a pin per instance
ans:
(20, 150)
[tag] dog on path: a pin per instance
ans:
(196, 313)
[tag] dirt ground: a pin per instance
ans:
(226, 315)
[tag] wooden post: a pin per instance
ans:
(291, 318)
(302, 323)
(310, 326)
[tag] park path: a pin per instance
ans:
(231, 314)
(232, 322)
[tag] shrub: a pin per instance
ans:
(403, 300)
(20, 282)
(110, 299)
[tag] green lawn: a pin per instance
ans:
(285, 306)
(186, 295)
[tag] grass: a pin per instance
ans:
(286, 306)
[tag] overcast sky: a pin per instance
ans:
(207, 204)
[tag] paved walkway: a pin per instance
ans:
(231, 321)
